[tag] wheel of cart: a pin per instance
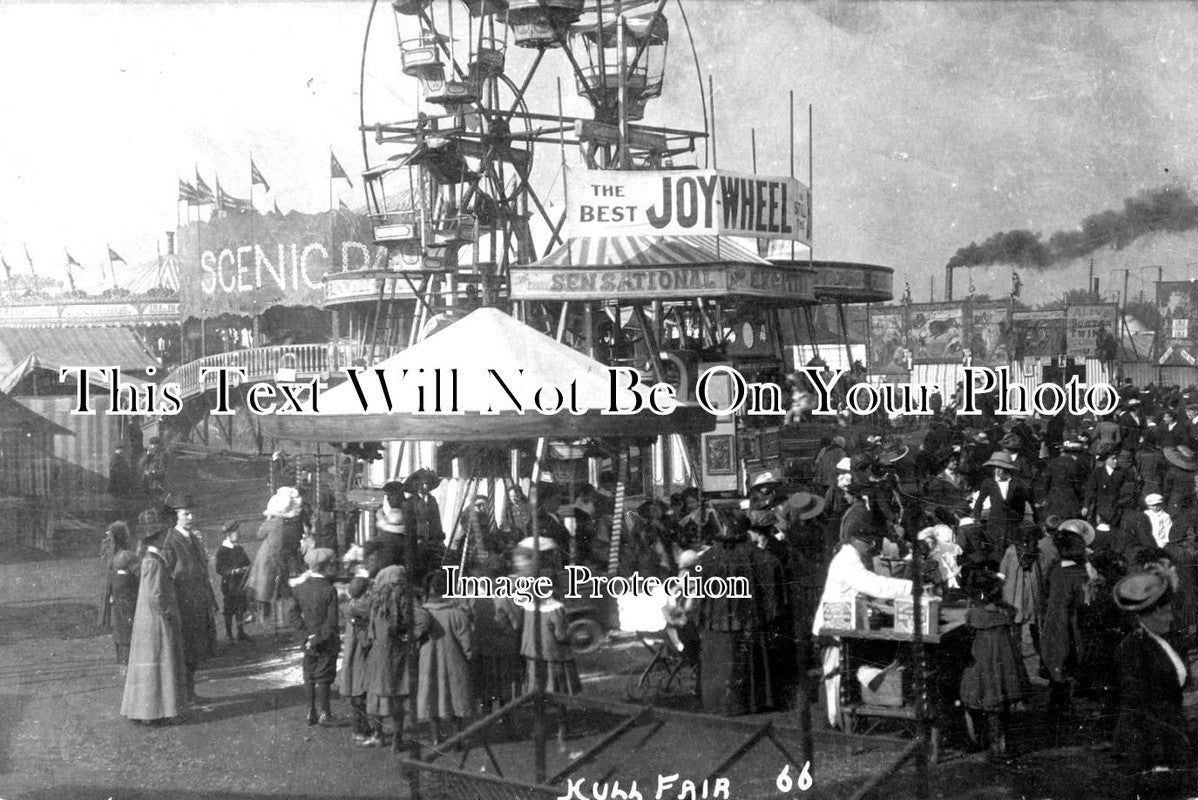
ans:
(672, 670)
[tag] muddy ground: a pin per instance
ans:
(61, 735)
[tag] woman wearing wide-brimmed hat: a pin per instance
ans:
(156, 682)
(1151, 731)
(1178, 487)
(271, 569)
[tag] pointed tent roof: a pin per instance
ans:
(480, 350)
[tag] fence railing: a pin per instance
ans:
(266, 363)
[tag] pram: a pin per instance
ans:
(673, 646)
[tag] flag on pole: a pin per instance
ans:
(227, 202)
(256, 176)
(7, 268)
(71, 262)
(115, 256)
(29, 258)
(188, 193)
(337, 171)
(342, 206)
(276, 208)
(204, 193)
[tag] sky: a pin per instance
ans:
(935, 124)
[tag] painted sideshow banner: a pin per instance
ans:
(1083, 325)
(1178, 303)
(246, 263)
(704, 202)
(887, 341)
(937, 331)
(989, 340)
(1038, 334)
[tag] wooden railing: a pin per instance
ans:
(265, 363)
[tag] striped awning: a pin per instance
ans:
(609, 252)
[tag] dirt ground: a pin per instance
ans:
(61, 735)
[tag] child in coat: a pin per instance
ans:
(233, 567)
(351, 680)
(553, 661)
(314, 614)
(388, 682)
(995, 677)
(444, 688)
(123, 586)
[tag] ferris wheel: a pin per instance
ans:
(455, 192)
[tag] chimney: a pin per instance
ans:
(948, 283)
(170, 243)
(1096, 295)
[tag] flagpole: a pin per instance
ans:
(111, 268)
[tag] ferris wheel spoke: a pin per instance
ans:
(442, 45)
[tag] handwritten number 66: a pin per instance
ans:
(785, 783)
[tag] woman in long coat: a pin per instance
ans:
(444, 689)
(387, 680)
(271, 569)
(155, 685)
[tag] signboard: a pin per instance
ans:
(988, 334)
(1179, 329)
(937, 331)
(887, 339)
(703, 202)
(1083, 322)
(746, 280)
(854, 283)
(246, 263)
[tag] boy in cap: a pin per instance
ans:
(233, 567)
(314, 613)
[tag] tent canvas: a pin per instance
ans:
(480, 349)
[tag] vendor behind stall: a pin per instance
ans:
(848, 577)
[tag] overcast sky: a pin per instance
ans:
(935, 124)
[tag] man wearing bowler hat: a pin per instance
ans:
(197, 601)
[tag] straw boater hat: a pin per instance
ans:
(805, 505)
(892, 452)
(1072, 446)
(1081, 528)
(1153, 500)
(844, 465)
(531, 542)
(284, 503)
(937, 533)
(1002, 459)
(230, 526)
(1141, 591)
(765, 480)
(1182, 457)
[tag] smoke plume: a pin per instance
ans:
(1169, 208)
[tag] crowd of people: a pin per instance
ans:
(1073, 542)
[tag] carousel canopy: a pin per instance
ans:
(649, 251)
(476, 352)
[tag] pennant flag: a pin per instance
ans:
(342, 206)
(336, 170)
(256, 176)
(7, 268)
(115, 256)
(276, 209)
(188, 193)
(71, 262)
(29, 258)
(227, 202)
(204, 193)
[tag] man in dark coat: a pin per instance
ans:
(1106, 492)
(1131, 423)
(314, 614)
(422, 514)
(120, 475)
(1065, 482)
(197, 600)
(1010, 499)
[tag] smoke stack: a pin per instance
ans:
(170, 243)
(1096, 288)
(948, 283)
